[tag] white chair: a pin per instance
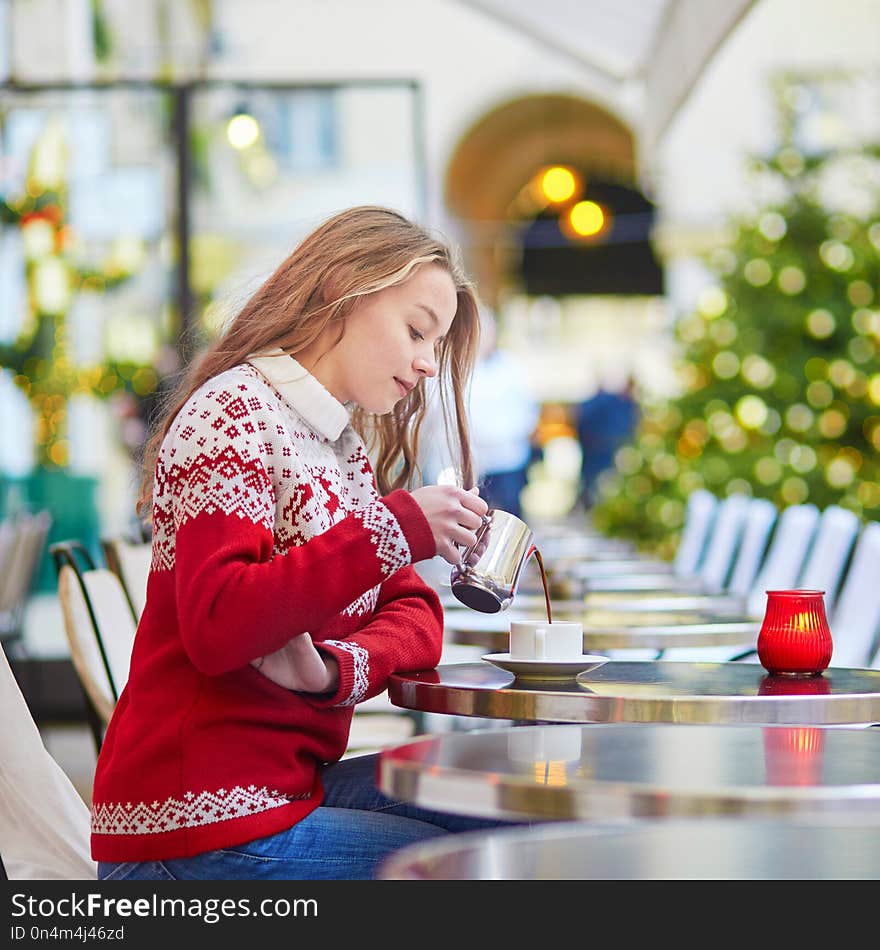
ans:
(811, 552)
(130, 561)
(711, 573)
(701, 510)
(786, 555)
(835, 537)
(7, 539)
(21, 546)
(572, 576)
(44, 824)
(723, 543)
(760, 518)
(855, 620)
(808, 550)
(100, 629)
(788, 550)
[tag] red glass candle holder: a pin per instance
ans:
(795, 639)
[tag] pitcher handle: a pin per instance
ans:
(462, 562)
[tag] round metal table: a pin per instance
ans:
(594, 772)
(706, 849)
(653, 691)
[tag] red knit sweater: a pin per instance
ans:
(266, 523)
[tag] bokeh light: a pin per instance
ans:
(794, 491)
(790, 161)
(861, 349)
(587, 218)
(841, 373)
(751, 411)
(836, 255)
(758, 272)
(558, 183)
(723, 331)
(860, 293)
(757, 371)
(726, 364)
(819, 394)
(772, 225)
(840, 472)
(712, 302)
(791, 280)
(802, 459)
(868, 493)
(799, 417)
(820, 324)
(772, 424)
(242, 131)
(866, 321)
(768, 471)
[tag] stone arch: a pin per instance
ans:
(503, 149)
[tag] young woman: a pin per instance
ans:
(282, 590)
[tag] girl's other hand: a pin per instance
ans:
(299, 666)
(455, 516)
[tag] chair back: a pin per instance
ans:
(723, 542)
(855, 620)
(785, 556)
(22, 546)
(699, 514)
(760, 518)
(8, 532)
(830, 553)
(100, 629)
(44, 824)
(130, 561)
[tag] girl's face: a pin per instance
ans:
(390, 341)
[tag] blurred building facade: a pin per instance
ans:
(437, 107)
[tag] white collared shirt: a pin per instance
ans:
(318, 407)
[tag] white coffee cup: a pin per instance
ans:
(539, 640)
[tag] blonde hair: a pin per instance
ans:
(355, 253)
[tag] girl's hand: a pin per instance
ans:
(454, 515)
(299, 666)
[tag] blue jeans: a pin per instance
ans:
(346, 838)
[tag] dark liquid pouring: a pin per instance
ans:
(540, 561)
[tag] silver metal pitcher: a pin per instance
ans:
(487, 576)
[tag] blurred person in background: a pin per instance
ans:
(503, 416)
(282, 590)
(604, 422)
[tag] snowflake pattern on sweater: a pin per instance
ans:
(229, 457)
(140, 818)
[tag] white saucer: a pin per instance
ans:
(546, 669)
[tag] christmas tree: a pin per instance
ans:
(779, 364)
(40, 356)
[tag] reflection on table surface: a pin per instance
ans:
(823, 848)
(654, 691)
(614, 771)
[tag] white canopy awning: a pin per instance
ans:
(647, 52)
